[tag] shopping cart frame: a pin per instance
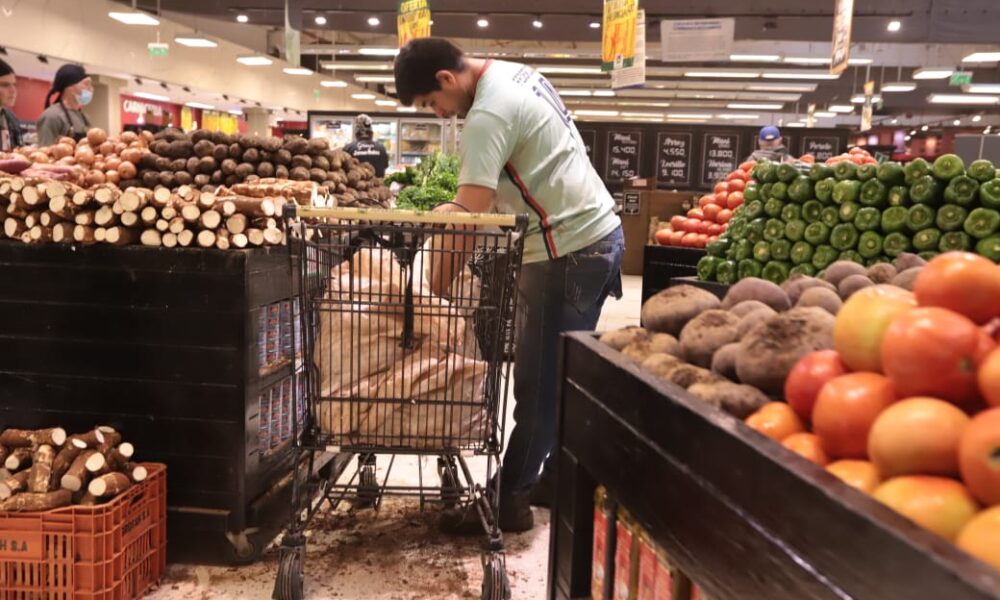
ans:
(337, 234)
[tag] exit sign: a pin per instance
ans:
(158, 49)
(959, 78)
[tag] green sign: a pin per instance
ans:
(158, 49)
(960, 78)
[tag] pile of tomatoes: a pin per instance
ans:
(906, 407)
(709, 220)
(856, 155)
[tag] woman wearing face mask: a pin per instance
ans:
(71, 91)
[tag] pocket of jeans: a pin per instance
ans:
(587, 277)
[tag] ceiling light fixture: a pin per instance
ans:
(134, 17)
(796, 124)
(406, 109)
(956, 122)
(982, 57)
(643, 115)
(195, 41)
(482, 22)
(374, 79)
(320, 20)
(149, 96)
(688, 116)
(932, 73)
(755, 105)
(913, 132)
(374, 21)
(236, 111)
(724, 74)
(568, 70)
(242, 18)
(537, 23)
(363, 96)
(899, 86)
(297, 71)
(738, 116)
(860, 98)
(982, 88)
(574, 92)
(924, 128)
(254, 61)
(385, 103)
(604, 93)
(977, 118)
(840, 108)
(893, 26)
(815, 60)
(798, 75)
(200, 105)
(378, 51)
(894, 121)
(596, 113)
(595, 24)
(754, 57)
(824, 114)
(963, 99)
(333, 83)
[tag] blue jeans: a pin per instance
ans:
(554, 296)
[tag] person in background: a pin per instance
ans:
(63, 116)
(770, 145)
(365, 149)
(10, 127)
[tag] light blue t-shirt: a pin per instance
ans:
(519, 140)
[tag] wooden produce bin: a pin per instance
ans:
(161, 344)
(639, 205)
(739, 514)
(662, 264)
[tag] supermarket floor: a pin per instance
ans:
(396, 554)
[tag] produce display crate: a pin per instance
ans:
(660, 264)
(742, 516)
(165, 345)
(719, 289)
(113, 551)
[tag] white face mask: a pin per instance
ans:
(84, 97)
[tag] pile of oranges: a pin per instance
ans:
(906, 407)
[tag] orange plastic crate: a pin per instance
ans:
(114, 551)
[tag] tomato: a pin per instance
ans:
(715, 230)
(677, 222)
(676, 237)
(706, 227)
(737, 185)
(735, 200)
(663, 237)
(705, 201)
(808, 377)
(721, 198)
(689, 239)
(748, 166)
(711, 212)
(862, 321)
(736, 175)
(776, 420)
(712, 238)
(724, 216)
(845, 410)
(702, 240)
(858, 474)
(696, 213)
(857, 150)
(808, 158)
(979, 456)
(808, 446)
(963, 282)
(988, 378)
(722, 186)
(931, 351)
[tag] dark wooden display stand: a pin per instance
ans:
(743, 517)
(161, 344)
(660, 264)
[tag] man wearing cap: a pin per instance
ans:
(73, 90)
(365, 149)
(10, 127)
(770, 146)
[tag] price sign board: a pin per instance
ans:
(624, 154)
(673, 158)
(719, 157)
(822, 147)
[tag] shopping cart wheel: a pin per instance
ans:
(451, 488)
(496, 585)
(368, 488)
(290, 583)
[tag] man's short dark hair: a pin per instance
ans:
(5, 69)
(418, 63)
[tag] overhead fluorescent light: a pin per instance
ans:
(982, 57)
(385, 103)
(236, 112)
(653, 104)
(982, 88)
(899, 86)
(242, 18)
(643, 115)
(932, 73)
(574, 92)
(604, 93)
(568, 70)
(754, 57)
(595, 24)
(195, 41)
(956, 122)
(596, 113)
(254, 61)
(149, 96)
(356, 66)
(796, 124)
(816, 60)
(374, 21)
(333, 83)
(482, 22)
(320, 20)
(686, 120)
(201, 105)
(134, 17)
(378, 51)
(537, 24)
(824, 114)
(363, 96)
(962, 99)
(297, 71)
(798, 75)
(860, 98)
(924, 127)
(688, 116)
(893, 26)
(781, 87)
(754, 105)
(737, 116)
(977, 118)
(840, 108)
(723, 74)
(374, 78)
(642, 120)
(406, 109)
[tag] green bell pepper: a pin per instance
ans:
(989, 247)
(950, 217)
(755, 230)
(795, 229)
(804, 269)
(765, 191)
(717, 248)
(868, 219)
(787, 172)
(867, 171)
(926, 239)
(737, 230)
(870, 244)
(955, 240)
(962, 190)
(801, 253)
(824, 256)
(751, 192)
(748, 268)
(982, 223)
(780, 249)
(926, 190)
(928, 256)
(891, 173)
(816, 233)
(982, 170)
(848, 211)
(725, 272)
(846, 191)
(894, 219)
(915, 169)
(779, 191)
(801, 189)
(844, 237)
(762, 251)
(874, 193)
(775, 272)
(772, 207)
(948, 166)
(989, 194)
(754, 209)
(774, 230)
(919, 216)
(895, 244)
(899, 195)
(811, 211)
(844, 170)
(851, 255)
(829, 216)
(765, 172)
(820, 171)
(790, 212)
(706, 267)
(824, 189)
(742, 249)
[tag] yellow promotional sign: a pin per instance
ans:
(618, 34)
(413, 20)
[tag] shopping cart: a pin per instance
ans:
(405, 325)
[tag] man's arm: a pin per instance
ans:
(454, 249)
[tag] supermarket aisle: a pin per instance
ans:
(396, 554)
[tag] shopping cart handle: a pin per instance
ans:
(520, 221)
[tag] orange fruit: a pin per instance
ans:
(938, 504)
(807, 445)
(917, 436)
(776, 420)
(988, 378)
(845, 410)
(966, 283)
(862, 321)
(979, 456)
(859, 474)
(981, 537)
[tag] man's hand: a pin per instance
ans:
(454, 248)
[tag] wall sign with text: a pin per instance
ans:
(623, 157)
(720, 157)
(673, 158)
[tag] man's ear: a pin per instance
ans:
(445, 78)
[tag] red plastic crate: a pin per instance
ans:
(114, 551)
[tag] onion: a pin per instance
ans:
(95, 177)
(127, 137)
(127, 170)
(112, 176)
(84, 155)
(111, 163)
(96, 136)
(67, 140)
(39, 157)
(132, 155)
(61, 150)
(107, 148)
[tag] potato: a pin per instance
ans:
(207, 164)
(724, 361)
(235, 151)
(162, 163)
(284, 157)
(687, 375)
(183, 178)
(769, 351)
(220, 152)
(244, 170)
(201, 180)
(753, 318)
(251, 155)
(638, 350)
(127, 170)
(853, 283)
(753, 288)
(281, 172)
(299, 174)
(798, 283)
(203, 147)
(302, 160)
(265, 169)
(841, 270)
(317, 146)
(881, 272)
(271, 144)
(620, 338)
(669, 310)
(180, 149)
(706, 333)
(148, 160)
(317, 175)
(907, 278)
(321, 162)
(296, 145)
(661, 364)
(201, 135)
(150, 179)
(749, 306)
(665, 343)
(906, 261)
(167, 179)
(231, 179)
(217, 177)
(740, 401)
(821, 297)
